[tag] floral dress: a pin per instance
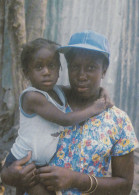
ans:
(89, 148)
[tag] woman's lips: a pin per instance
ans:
(82, 88)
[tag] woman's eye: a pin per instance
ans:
(91, 67)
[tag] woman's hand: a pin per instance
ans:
(17, 174)
(60, 178)
(55, 178)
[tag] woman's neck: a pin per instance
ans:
(76, 102)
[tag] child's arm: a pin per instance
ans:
(34, 102)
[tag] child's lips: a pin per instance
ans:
(47, 82)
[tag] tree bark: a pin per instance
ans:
(35, 15)
(5, 116)
(2, 12)
(17, 37)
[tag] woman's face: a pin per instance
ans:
(85, 73)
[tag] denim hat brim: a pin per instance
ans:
(65, 49)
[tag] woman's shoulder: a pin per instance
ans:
(117, 111)
(118, 114)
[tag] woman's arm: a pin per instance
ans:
(19, 175)
(34, 102)
(58, 178)
(22, 177)
(122, 176)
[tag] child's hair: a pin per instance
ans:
(31, 47)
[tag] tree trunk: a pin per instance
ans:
(12, 19)
(5, 117)
(2, 10)
(35, 18)
(17, 37)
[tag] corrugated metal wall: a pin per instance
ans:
(119, 22)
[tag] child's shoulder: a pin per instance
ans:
(30, 94)
(30, 88)
(32, 98)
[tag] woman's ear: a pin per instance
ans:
(104, 71)
(103, 74)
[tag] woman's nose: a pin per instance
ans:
(82, 74)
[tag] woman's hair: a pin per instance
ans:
(30, 48)
(72, 53)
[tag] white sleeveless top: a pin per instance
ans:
(35, 132)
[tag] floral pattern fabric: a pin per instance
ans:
(88, 148)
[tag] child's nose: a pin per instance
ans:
(46, 70)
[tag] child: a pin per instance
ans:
(42, 105)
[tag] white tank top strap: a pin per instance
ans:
(60, 94)
(56, 88)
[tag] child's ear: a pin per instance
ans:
(26, 73)
(60, 68)
(58, 74)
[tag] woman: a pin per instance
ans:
(84, 151)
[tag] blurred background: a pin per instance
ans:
(57, 20)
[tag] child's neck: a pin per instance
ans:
(54, 95)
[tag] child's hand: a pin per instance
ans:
(104, 94)
(99, 106)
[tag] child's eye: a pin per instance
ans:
(38, 67)
(74, 67)
(51, 66)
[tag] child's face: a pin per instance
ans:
(44, 69)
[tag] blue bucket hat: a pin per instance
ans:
(89, 40)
